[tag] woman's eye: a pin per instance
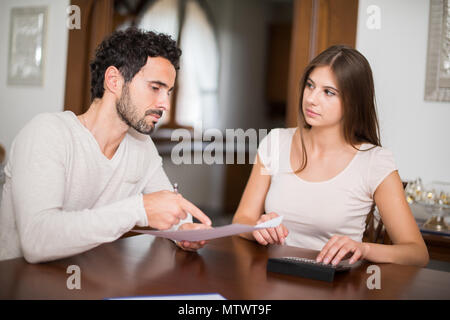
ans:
(309, 85)
(329, 93)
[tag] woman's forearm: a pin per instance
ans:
(406, 254)
(242, 219)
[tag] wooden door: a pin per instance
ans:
(317, 24)
(96, 23)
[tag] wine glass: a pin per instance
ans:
(410, 192)
(435, 199)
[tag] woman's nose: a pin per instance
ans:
(312, 96)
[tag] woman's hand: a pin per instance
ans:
(275, 235)
(192, 245)
(340, 246)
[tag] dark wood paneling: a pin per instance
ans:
(318, 24)
(278, 67)
(96, 23)
(299, 57)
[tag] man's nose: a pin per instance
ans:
(164, 102)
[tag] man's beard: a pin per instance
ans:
(127, 111)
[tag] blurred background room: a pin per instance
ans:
(240, 68)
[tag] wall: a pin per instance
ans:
(417, 131)
(18, 104)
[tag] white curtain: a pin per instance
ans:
(198, 77)
(161, 16)
(197, 100)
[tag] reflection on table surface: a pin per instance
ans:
(233, 267)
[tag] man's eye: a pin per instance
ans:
(155, 88)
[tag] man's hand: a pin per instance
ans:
(165, 209)
(192, 245)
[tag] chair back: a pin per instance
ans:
(375, 230)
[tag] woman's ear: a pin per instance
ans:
(113, 81)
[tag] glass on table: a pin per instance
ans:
(418, 189)
(443, 198)
(413, 190)
(435, 200)
(410, 192)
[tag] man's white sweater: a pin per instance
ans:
(63, 196)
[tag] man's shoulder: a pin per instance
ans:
(45, 134)
(46, 126)
(53, 120)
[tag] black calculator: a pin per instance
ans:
(308, 268)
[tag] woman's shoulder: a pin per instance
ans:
(276, 138)
(375, 153)
(378, 162)
(376, 159)
(282, 133)
(286, 131)
(274, 147)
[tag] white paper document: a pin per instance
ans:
(213, 233)
(195, 296)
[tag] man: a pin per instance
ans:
(73, 183)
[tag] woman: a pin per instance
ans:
(324, 176)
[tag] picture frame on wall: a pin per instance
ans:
(437, 83)
(27, 38)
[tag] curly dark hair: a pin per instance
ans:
(128, 51)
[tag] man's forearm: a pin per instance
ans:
(54, 234)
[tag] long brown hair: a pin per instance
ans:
(357, 93)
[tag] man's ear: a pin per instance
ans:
(113, 81)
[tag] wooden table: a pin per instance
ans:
(233, 267)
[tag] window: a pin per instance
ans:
(196, 94)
